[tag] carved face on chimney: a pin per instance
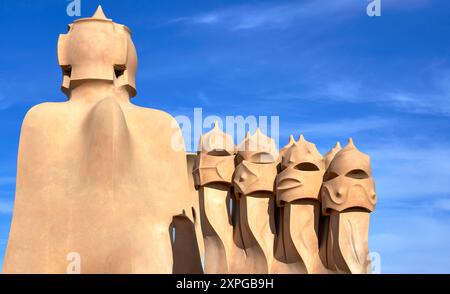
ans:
(302, 173)
(257, 168)
(254, 177)
(215, 160)
(348, 182)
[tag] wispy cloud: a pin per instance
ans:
(345, 90)
(344, 128)
(409, 240)
(435, 98)
(247, 17)
(430, 94)
(411, 170)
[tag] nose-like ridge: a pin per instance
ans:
(242, 178)
(289, 183)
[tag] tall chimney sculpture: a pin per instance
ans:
(297, 190)
(348, 197)
(93, 183)
(213, 174)
(254, 181)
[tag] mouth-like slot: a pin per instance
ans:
(288, 184)
(356, 209)
(307, 166)
(304, 201)
(259, 194)
(219, 186)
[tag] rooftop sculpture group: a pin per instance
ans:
(98, 176)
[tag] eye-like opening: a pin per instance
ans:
(329, 176)
(357, 174)
(67, 70)
(218, 152)
(307, 166)
(119, 70)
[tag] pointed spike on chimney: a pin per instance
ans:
(99, 13)
(338, 145)
(351, 143)
(302, 138)
(291, 139)
(216, 124)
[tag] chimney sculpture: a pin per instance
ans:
(297, 190)
(348, 197)
(325, 237)
(254, 181)
(93, 183)
(213, 173)
(281, 264)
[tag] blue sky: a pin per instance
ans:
(324, 67)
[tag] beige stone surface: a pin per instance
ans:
(213, 171)
(254, 182)
(91, 177)
(297, 189)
